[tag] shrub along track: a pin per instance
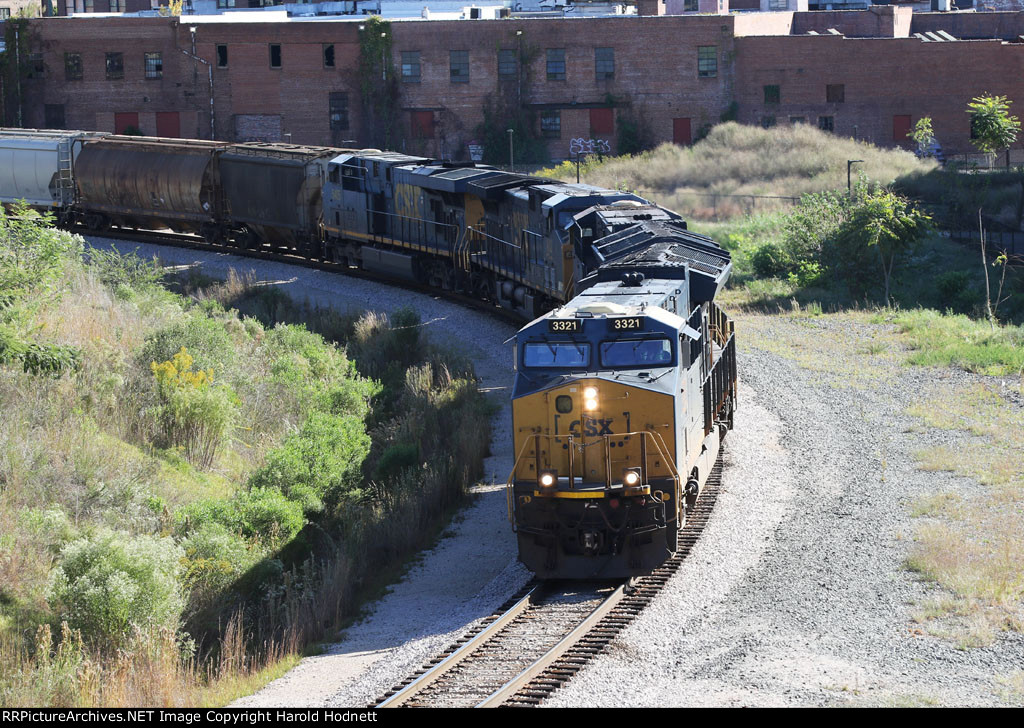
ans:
(193, 242)
(544, 635)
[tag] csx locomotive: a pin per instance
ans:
(624, 385)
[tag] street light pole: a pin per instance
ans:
(511, 159)
(849, 166)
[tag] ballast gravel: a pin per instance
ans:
(796, 593)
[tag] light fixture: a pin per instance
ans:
(631, 477)
(590, 405)
(548, 478)
(590, 393)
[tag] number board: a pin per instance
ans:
(628, 323)
(565, 325)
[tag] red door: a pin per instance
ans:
(168, 124)
(125, 121)
(602, 123)
(681, 132)
(900, 128)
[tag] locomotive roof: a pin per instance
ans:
(665, 249)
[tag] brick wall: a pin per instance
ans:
(881, 79)
(879, 21)
(655, 78)
(654, 87)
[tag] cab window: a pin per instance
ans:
(636, 353)
(557, 355)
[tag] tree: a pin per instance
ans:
(886, 222)
(923, 136)
(992, 127)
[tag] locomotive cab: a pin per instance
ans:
(616, 415)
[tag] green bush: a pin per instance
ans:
(955, 291)
(196, 420)
(268, 515)
(111, 582)
(319, 464)
(215, 557)
(120, 271)
(206, 340)
(770, 261)
(395, 459)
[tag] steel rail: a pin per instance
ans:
(513, 686)
(432, 675)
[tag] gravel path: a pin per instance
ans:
(796, 593)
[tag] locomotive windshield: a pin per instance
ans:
(557, 354)
(636, 353)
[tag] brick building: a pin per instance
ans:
(867, 73)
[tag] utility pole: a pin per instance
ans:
(511, 159)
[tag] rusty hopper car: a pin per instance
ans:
(621, 399)
(272, 194)
(148, 182)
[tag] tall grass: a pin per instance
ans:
(734, 159)
(258, 562)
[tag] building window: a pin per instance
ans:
(411, 67)
(115, 65)
(458, 66)
(827, 123)
(778, 4)
(225, 3)
(36, 67)
(508, 65)
(54, 116)
(328, 55)
(772, 94)
(691, 6)
(551, 124)
(222, 56)
(5, 13)
(556, 64)
(767, 122)
(154, 65)
(73, 66)
(117, 6)
(604, 63)
(798, 120)
(275, 55)
(339, 111)
(835, 93)
(707, 61)
(89, 6)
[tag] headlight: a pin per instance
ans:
(590, 405)
(590, 393)
(547, 478)
(631, 477)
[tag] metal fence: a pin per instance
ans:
(1011, 243)
(1002, 160)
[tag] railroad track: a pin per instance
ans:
(544, 635)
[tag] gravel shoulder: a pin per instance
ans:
(796, 594)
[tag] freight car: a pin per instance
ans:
(625, 384)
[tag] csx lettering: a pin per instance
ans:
(592, 427)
